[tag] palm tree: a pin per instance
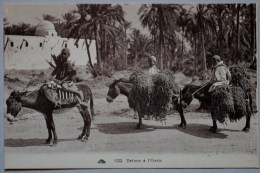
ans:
(135, 37)
(125, 26)
(100, 18)
(159, 18)
(66, 26)
(97, 21)
(253, 28)
(49, 17)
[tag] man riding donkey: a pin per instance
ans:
(220, 74)
(151, 69)
(63, 73)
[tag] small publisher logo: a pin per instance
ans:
(101, 161)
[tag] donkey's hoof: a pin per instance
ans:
(82, 138)
(184, 126)
(246, 129)
(138, 126)
(48, 141)
(213, 130)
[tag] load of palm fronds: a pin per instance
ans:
(152, 94)
(240, 78)
(228, 102)
(240, 104)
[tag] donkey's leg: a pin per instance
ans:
(48, 124)
(247, 126)
(55, 140)
(248, 117)
(214, 128)
(183, 121)
(87, 122)
(138, 126)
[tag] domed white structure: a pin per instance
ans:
(45, 28)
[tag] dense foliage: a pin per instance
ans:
(182, 37)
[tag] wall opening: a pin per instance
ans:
(40, 44)
(12, 44)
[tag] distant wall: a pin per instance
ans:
(31, 52)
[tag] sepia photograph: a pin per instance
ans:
(90, 86)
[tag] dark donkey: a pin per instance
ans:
(37, 101)
(117, 87)
(201, 93)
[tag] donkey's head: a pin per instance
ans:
(187, 96)
(14, 105)
(113, 91)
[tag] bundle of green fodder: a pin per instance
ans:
(229, 102)
(152, 94)
(222, 103)
(240, 78)
(239, 98)
(164, 89)
(140, 96)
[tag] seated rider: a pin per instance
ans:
(64, 72)
(220, 74)
(152, 69)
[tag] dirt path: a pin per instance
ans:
(114, 130)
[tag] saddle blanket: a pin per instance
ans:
(62, 97)
(212, 88)
(61, 93)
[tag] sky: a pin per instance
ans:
(32, 14)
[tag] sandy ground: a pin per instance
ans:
(113, 131)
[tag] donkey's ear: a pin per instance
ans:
(14, 92)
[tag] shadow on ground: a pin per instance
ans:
(121, 128)
(198, 130)
(202, 131)
(30, 142)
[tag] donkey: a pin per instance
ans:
(38, 101)
(117, 87)
(201, 93)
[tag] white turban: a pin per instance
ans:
(216, 57)
(153, 58)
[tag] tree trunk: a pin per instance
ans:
(203, 53)
(135, 42)
(195, 57)
(89, 58)
(103, 45)
(161, 39)
(253, 34)
(126, 63)
(238, 36)
(98, 51)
